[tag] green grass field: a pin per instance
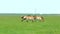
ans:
(14, 25)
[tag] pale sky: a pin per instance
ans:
(30, 6)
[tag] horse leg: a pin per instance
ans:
(27, 20)
(23, 19)
(32, 20)
(42, 20)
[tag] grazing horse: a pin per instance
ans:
(28, 18)
(41, 18)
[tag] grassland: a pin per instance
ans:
(14, 25)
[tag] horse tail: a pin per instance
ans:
(42, 18)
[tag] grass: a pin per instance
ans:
(14, 25)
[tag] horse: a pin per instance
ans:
(41, 18)
(28, 18)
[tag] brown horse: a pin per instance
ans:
(41, 18)
(28, 18)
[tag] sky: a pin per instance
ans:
(30, 6)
